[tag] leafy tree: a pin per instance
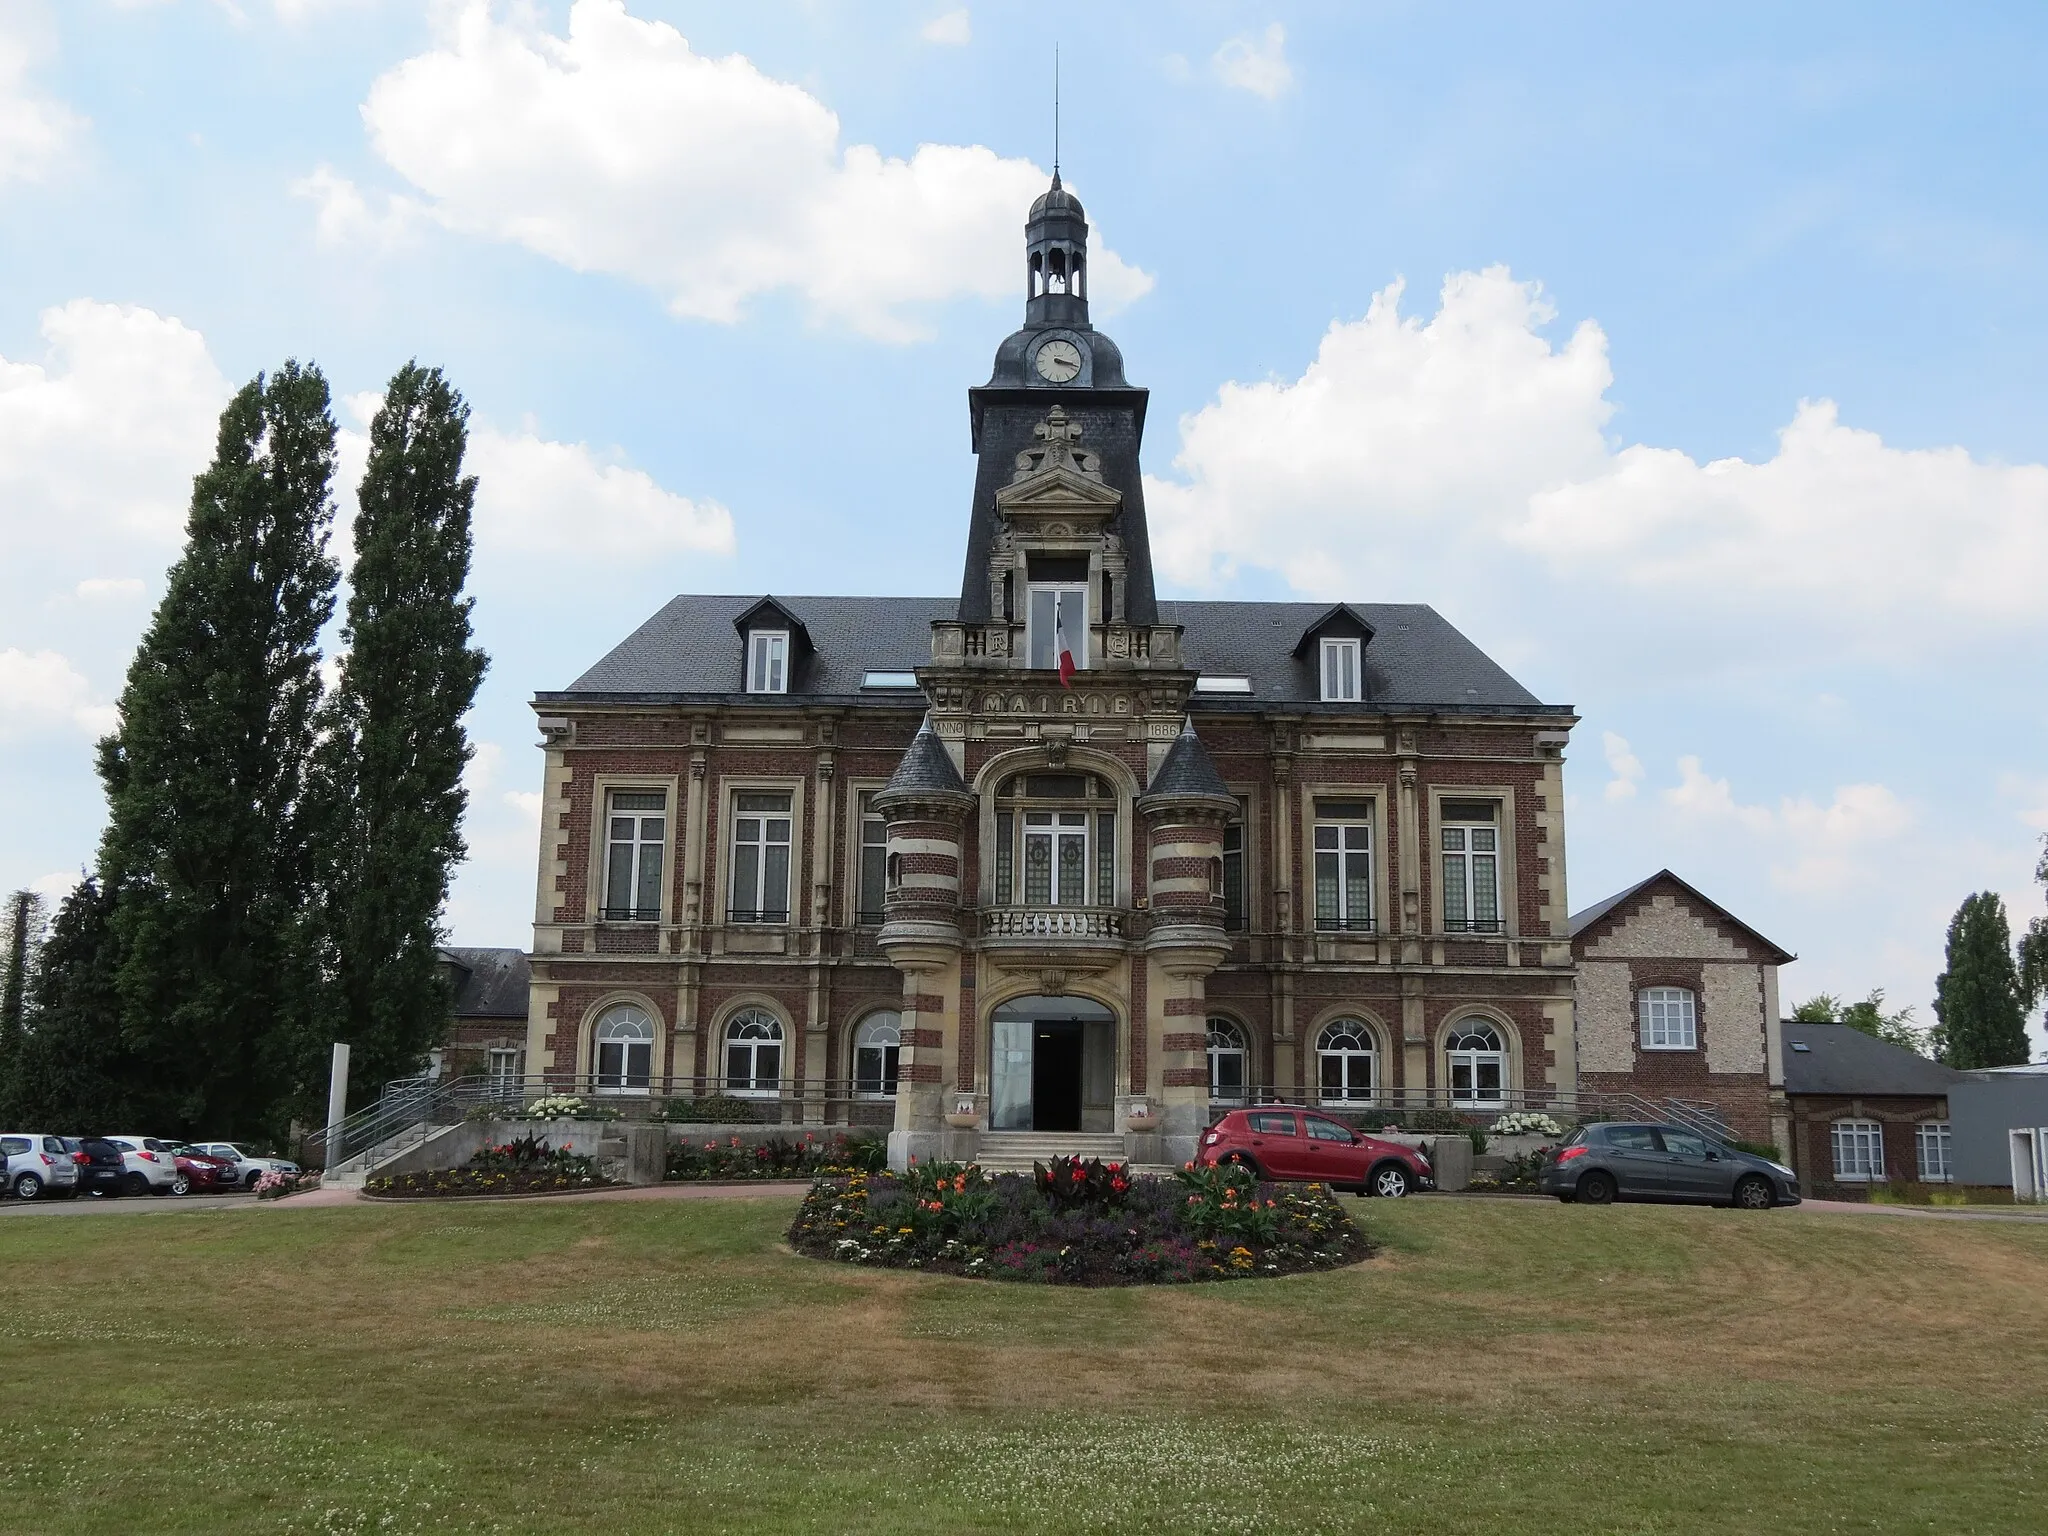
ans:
(23, 934)
(1978, 1001)
(2034, 945)
(207, 854)
(394, 747)
(73, 1072)
(1821, 1008)
(1895, 1028)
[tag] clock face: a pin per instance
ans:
(1059, 361)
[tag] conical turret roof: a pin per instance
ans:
(926, 767)
(1187, 772)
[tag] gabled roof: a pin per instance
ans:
(1582, 921)
(489, 983)
(1322, 622)
(1841, 1060)
(1187, 770)
(769, 614)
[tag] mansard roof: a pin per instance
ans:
(489, 983)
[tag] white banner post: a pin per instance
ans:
(337, 1103)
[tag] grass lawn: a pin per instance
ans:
(1504, 1368)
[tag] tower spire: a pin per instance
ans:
(1055, 114)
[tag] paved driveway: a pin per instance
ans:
(89, 1203)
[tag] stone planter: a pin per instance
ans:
(966, 1122)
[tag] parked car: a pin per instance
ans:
(198, 1170)
(1283, 1144)
(248, 1166)
(151, 1167)
(37, 1165)
(102, 1166)
(1599, 1164)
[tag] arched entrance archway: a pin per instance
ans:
(1052, 1065)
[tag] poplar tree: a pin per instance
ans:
(1978, 1000)
(207, 855)
(394, 746)
(20, 940)
(74, 1072)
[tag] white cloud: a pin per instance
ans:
(35, 129)
(950, 29)
(1466, 454)
(619, 149)
(1256, 63)
(560, 499)
(109, 589)
(1814, 848)
(346, 217)
(42, 689)
(1626, 766)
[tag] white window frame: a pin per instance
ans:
(620, 1031)
(1347, 1058)
(768, 661)
(1067, 596)
(748, 1037)
(756, 908)
(1343, 840)
(505, 1067)
(1669, 1019)
(1472, 1059)
(1341, 657)
(1458, 842)
(1934, 1152)
(1863, 1143)
(871, 845)
(879, 1035)
(1227, 1043)
(643, 847)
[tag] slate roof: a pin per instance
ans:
(1187, 769)
(926, 766)
(490, 983)
(1842, 1061)
(1582, 920)
(689, 651)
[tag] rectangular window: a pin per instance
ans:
(1931, 1142)
(1343, 866)
(1105, 858)
(1471, 850)
(1006, 831)
(1055, 858)
(1669, 1019)
(1233, 876)
(506, 1066)
(760, 858)
(767, 661)
(874, 861)
(636, 823)
(1057, 618)
(1859, 1150)
(1340, 671)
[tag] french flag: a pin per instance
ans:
(1059, 629)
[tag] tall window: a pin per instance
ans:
(1227, 1063)
(1859, 1150)
(1668, 1019)
(1233, 875)
(1343, 855)
(1930, 1143)
(505, 1068)
(625, 1050)
(1340, 671)
(875, 1047)
(874, 865)
(760, 858)
(1471, 848)
(753, 1053)
(768, 661)
(1479, 1067)
(1056, 620)
(1347, 1061)
(1055, 841)
(636, 822)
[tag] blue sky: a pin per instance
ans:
(1689, 361)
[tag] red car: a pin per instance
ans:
(209, 1175)
(1283, 1144)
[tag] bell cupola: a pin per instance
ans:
(1056, 259)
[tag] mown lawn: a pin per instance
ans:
(1504, 1368)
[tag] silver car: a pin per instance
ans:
(37, 1165)
(1647, 1160)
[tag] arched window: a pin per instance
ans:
(624, 1058)
(1228, 1062)
(1348, 1061)
(875, 1046)
(1055, 842)
(753, 1053)
(1479, 1067)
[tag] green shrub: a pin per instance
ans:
(713, 1109)
(1758, 1149)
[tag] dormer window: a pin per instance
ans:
(768, 661)
(1340, 670)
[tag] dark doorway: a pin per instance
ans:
(1056, 1075)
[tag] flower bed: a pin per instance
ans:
(528, 1166)
(1076, 1223)
(779, 1157)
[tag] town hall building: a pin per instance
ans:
(1055, 856)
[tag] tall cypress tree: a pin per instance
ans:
(1978, 999)
(207, 850)
(395, 748)
(20, 939)
(74, 1071)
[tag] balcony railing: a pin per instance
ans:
(1472, 925)
(1325, 924)
(629, 914)
(747, 915)
(1052, 923)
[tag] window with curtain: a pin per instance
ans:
(760, 857)
(1470, 835)
(636, 824)
(1343, 865)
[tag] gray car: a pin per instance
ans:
(1598, 1164)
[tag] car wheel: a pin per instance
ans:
(181, 1185)
(1239, 1160)
(250, 1181)
(134, 1184)
(27, 1187)
(1390, 1182)
(1597, 1189)
(1754, 1194)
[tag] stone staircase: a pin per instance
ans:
(1016, 1151)
(354, 1172)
